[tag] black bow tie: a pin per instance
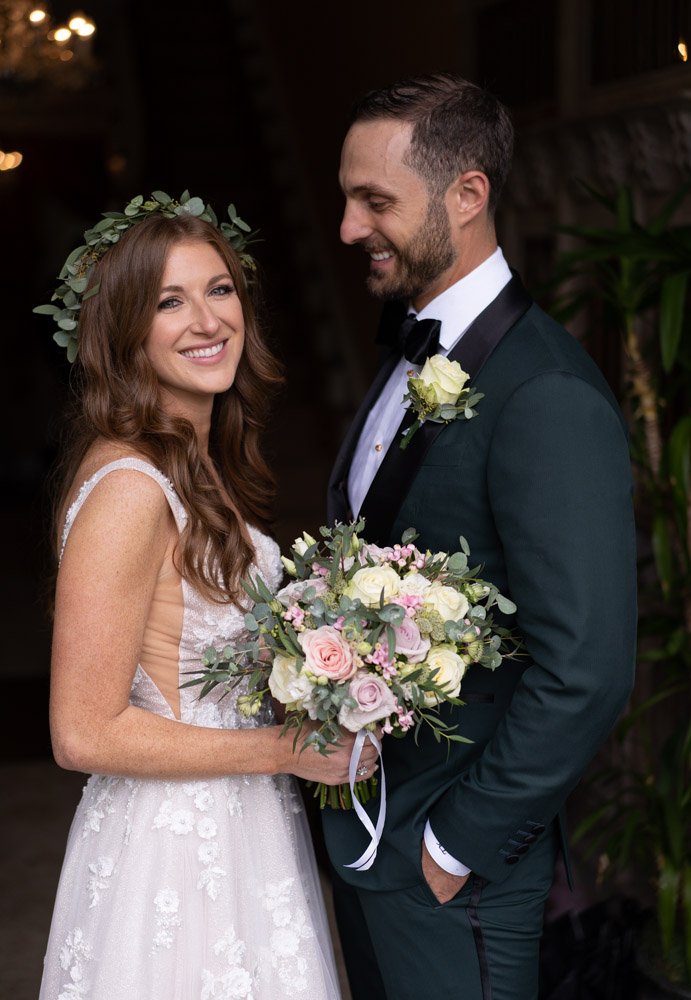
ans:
(418, 339)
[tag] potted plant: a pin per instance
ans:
(630, 280)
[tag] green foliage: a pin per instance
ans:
(632, 279)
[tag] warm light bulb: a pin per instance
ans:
(36, 16)
(683, 51)
(66, 55)
(10, 160)
(62, 34)
(86, 30)
(75, 23)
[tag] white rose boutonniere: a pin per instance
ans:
(439, 394)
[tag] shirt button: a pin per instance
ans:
(378, 447)
(411, 372)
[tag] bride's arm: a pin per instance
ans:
(104, 590)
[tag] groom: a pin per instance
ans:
(539, 483)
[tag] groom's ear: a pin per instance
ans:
(467, 197)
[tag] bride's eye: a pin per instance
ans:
(169, 303)
(221, 290)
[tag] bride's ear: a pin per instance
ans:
(467, 197)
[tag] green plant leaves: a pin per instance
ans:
(672, 298)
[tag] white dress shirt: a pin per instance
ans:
(456, 308)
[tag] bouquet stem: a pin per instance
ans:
(339, 796)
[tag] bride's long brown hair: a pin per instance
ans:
(119, 399)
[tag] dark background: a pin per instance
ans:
(247, 101)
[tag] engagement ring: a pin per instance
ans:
(362, 769)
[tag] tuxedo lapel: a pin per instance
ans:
(390, 485)
(337, 503)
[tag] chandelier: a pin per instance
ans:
(34, 50)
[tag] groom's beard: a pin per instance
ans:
(418, 264)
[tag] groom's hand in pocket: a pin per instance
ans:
(443, 885)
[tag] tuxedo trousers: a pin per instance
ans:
(483, 944)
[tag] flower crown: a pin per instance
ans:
(77, 269)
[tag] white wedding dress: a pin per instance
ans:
(174, 890)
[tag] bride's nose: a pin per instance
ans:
(204, 320)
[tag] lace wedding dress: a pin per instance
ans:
(173, 890)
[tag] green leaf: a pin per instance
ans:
(672, 299)
(62, 338)
(505, 605)
(408, 536)
(464, 545)
(161, 196)
(458, 562)
(46, 310)
(392, 614)
(251, 623)
(686, 908)
(67, 324)
(662, 549)
(72, 350)
(668, 887)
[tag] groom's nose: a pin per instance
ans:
(355, 225)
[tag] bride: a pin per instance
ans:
(188, 870)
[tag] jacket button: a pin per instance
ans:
(538, 828)
(511, 859)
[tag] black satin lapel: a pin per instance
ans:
(391, 483)
(337, 504)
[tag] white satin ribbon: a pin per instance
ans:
(366, 859)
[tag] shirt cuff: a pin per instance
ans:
(442, 856)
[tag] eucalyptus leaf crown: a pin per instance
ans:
(77, 269)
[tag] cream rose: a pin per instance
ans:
(288, 686)
(447, 378)
(368, 583)
(327, 654)
(374, 702)
(450, 669)
(413, 585)
(447, 602)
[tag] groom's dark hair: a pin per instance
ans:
(457, 126)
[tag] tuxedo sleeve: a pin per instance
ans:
(560, 492)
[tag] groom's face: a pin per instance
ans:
(389, 213)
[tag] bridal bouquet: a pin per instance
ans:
(362, 637)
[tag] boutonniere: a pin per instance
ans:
(439, 394)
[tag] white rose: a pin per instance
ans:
(450, 669)
(413, 585)
(447, 378)
(302, 544)
(288, 686)
(368, 583)
(293, 591)
(447, 601)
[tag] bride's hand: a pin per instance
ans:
(332, 769)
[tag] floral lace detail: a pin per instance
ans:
(200, 792)
(210, 877)
(102, 793)
(235, 983)
(101, 870)
(291, 927)
(178, 821)
(167, 904)
(234, 798)
(74, 955)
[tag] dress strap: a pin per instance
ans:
(179, 512)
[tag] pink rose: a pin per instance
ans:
(327, 653)
(374, 699)
(409, 642)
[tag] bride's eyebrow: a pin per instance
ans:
(225, 276)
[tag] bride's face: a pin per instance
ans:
(197, 336)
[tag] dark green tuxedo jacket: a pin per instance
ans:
(539, 483)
